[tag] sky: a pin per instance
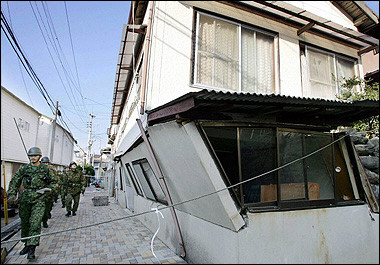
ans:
(95, 28)
(73, 49)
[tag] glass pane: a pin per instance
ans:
(153, 181)
(258, 155)
(321, 68)
(319, 167)
(344, 187)
(265, 63)
(345, 69)
(223, 141)
(226, 74)
(145, 185)
(248, 64)
(218, 53)
(205, 69)
(206, 34)
(134, 181)
(292, 176)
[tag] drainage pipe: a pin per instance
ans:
(146, 53)
(158, 172)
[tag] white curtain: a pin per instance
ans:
(265, 63)
(218, 57)
(321, 68)
(218, 53)
(248, 63)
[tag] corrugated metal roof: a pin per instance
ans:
(214, 105)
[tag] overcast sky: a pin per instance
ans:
(96, 28)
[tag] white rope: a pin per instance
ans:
(186, 201)
(158, 229)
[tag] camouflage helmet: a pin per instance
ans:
(72, 163)
(45, 159)
(34, 151)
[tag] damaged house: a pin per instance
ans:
(227, 111)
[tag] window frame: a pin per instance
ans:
(146, 178)
(135, 183)
(306, 87)
(240, 25)
(279, 204)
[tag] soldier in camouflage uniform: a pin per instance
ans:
(37, 181)
(50, 197)
(75, 184)
(63, 188)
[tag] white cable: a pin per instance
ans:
(159, 225)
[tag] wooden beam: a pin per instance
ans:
(179, 107)
(305, 28)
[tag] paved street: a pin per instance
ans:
(119, 242)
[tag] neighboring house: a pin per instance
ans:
(366, 22)
(209, 94)
(35, 129)
(79, 155)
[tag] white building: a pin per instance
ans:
(35, 129)
(209, 94)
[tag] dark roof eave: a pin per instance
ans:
(215, 104)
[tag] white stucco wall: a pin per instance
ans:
(171, 47)
(330, 235)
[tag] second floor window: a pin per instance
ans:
(319, 69)
(234, 57)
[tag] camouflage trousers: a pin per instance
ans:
(63, 198)
(31, 215)
(49, 206)
(69, 202)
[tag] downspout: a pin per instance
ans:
(164, 186)
(146, 52)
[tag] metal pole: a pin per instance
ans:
(53, 132)
(88, 156)
(5, 197)
(158, 172)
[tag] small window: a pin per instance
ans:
(121, 179)
(133, 178)
(149, 181)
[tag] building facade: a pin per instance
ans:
(35, 129)
(226, 111)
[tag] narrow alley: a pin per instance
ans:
(120, 242)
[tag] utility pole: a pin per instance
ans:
(89, 138)
(53, 132)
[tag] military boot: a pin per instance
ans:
(68, 213)
(24, 250)
(74, 214)
(45, 224)
(31, 251)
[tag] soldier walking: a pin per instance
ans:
(63, 178)
(52, 195)
(38, 181)
(75, 184)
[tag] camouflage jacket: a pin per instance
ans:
(75, 182)
(32, 178)
(56, 186)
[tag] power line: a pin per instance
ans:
(19, 65)
(13, 41)
(64, 57)
(58, 55)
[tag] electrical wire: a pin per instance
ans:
(186, 201)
